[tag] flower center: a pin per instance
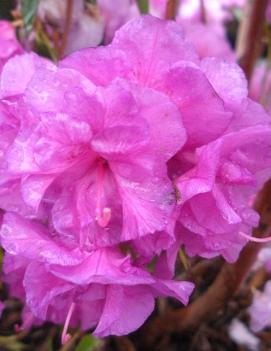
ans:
(103, 214)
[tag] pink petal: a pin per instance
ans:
(227, 78)
(136, 302)
(152, 46)
(203, 113)
(29, 239)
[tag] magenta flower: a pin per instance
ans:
(157, 8)
(98, 286)
(260, 85)
(15, 76)
(169, 65)
(231, 167)
(116, 157)
(211, 96)
(268, 12)
(222, 183)
(97, 158)
(215, 43)
(216, 11)
(260, 310)
(116, 14)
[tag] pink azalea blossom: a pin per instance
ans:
(260, 310)
(268, 12)
(102, 168)
(15, 76)
(260, 85)
(170, 66)
(157, 8)
(116, 13)
(215, 11)
(239, 172)
(8, 43)
(100, 286)
(116, 156)
(223, 181)
(209, 40)
(216, 93)
(190, 10)
(241, 334)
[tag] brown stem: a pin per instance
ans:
(207, 305)
(67, 25)
(203, 13)
(124, 344)
(216, 297)
(249, 41)
(171, 9)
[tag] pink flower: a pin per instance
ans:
(211, 96)
(8, 43)
(242, 336)
(215, 43)
(15, 76)
(260, 310)
(268, 12)
(117, 156)
(222, 182)
(116, 14)
(96, 158)
(190, 10)
(260, 85)
(233, 167)
(216, 11)
(157, 8)
(169, 65)
(100, 286)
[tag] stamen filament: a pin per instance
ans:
(254, 239)
(65, 337)
(103, 215)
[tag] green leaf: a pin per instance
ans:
(87, 343)
(44, 46)
(29, 9)
(143, 6)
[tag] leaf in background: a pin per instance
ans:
(143, 6)
(183, 258)
(29, 9)
(88, 343)
(44, 46)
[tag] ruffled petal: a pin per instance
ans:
(31, 240)
(137, 302)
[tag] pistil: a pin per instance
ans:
(103, 214)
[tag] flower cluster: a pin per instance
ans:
(114, 158)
